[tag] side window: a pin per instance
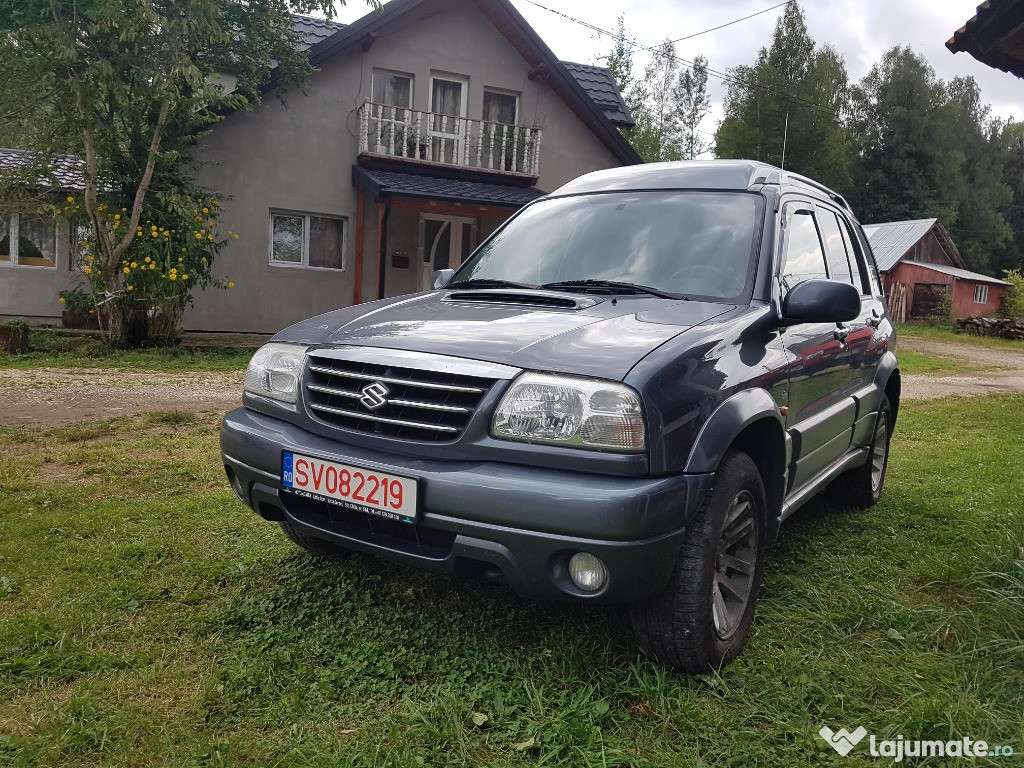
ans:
(861, 259)
(835, 247)
(856, 260)
(803, 258)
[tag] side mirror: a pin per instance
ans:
(442, 277)
(821, 301)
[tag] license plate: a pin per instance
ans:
(366, 490)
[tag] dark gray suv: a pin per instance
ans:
(618, 397)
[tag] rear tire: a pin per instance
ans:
(700, 621)
(312, 543)
(862, 487)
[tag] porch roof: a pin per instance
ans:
(385, 183)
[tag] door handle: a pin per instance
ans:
(840, 333)
(876, 318)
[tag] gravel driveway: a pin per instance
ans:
(51, 396)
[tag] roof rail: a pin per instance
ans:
(835, 196)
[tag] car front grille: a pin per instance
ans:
(421, 405)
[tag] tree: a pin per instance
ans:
(667, 104)
(786, 108)
(692, 105)
(131, 85)
(1008, 142)
(924, 148)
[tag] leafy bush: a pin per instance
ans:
(78, 300)
(1013, 301)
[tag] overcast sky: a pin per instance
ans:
(861, 30)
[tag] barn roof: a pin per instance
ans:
(891, 241)
(962, 274)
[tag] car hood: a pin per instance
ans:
(603, 337)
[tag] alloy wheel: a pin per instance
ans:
(734, 568)
(879, 449)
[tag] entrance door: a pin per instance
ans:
(445, 242)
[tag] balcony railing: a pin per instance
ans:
(456, 141)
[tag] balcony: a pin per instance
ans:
(444, 140)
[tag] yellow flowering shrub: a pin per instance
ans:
(169, 257)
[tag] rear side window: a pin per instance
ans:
(803, 258)
(860, 243)
(836, 248)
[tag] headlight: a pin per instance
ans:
(274, 371)
(586, 413)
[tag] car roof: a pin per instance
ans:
(734, 175)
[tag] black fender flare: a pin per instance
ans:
(727, 421)
(888, 367)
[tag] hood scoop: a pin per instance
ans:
(522, 298)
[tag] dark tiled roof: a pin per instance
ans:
(397, 184)
(994, 36)
(49, 171)
(601, 88)
(314, 30)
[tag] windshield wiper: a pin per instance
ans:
(612, 286)
(487, 282)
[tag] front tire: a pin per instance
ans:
(312, 543)
(862, 487)
(700, 621)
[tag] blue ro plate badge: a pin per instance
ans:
(377, 493)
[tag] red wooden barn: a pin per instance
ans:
(922, 268)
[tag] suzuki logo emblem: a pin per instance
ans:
(374, 396)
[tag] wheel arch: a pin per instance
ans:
(748, 421)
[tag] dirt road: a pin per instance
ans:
(52, 396)
(1004, 370)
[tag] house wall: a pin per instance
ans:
(961, 290)
(963, 300)
(31, 292)
(298, 155)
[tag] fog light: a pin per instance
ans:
(587, 572)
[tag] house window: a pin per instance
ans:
(28, 241)
(80, 234)
(500, 107)
(981, 294)
(394, 90)
(304, 240)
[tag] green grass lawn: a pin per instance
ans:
(56, 350)
(147, 618)
(920, 363)
(949, 333)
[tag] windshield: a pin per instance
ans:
(696, 244)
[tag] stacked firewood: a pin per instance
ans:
(1005, 327)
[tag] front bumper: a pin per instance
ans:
(510, 522)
